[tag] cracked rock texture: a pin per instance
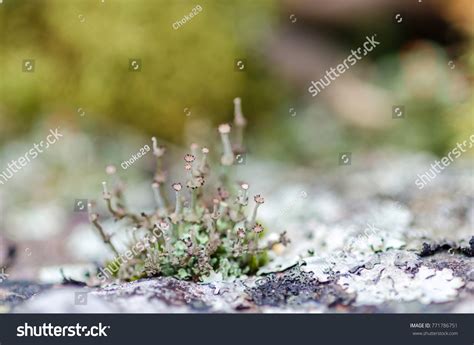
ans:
(364, 239)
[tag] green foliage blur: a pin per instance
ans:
(82, 51)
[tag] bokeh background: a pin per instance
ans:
(187, 80)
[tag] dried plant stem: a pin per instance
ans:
(116, 214)
(192, 241)
(160, 202)
(253, 218)
(194, 195)
(240, 123)
(203, 165)
(228, 155)
(179, 204)
(255, 243)
(103, 235)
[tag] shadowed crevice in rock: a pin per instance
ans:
(397, 281)
(449, 246)
(295, 287)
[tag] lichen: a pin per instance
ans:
(202, 235)
(294, 287)
(398, 276)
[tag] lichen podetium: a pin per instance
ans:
(200, 235)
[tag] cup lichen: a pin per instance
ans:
(195, 238)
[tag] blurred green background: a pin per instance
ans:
(82, 51)
(188, 78)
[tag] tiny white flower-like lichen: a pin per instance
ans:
(388, 282)
(319, 266)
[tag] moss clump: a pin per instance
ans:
(200, 235)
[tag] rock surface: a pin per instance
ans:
(364, 241)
